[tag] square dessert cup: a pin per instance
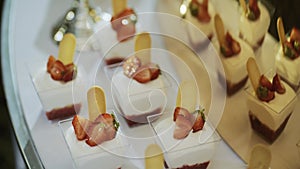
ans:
(59, 100)
(253, 32)
(84, 155)
(196, 150)
(270, 118)
(137, 101)
(236, 75)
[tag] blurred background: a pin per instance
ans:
(9, 153)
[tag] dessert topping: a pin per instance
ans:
(266, 90)
(230, 47)
(200, 10)
(124, 24)
(96, 102)
(143, 75)
(200, 120)
(154, 158)
(277, 85)
(291, 47)
(59, 71)
(253, 11)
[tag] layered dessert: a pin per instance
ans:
(287, 59)
(123, 20)
(234, 53)
(270, 103)
(185, 134)
(254, 22)
(100, 126)
(201, 14)
(138, 85)
(54, 86)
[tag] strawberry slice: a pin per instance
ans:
(199, 122)
(183, 127)
(265, 82)
(143, 75)
(97, 134)
(181, 111)
(154, 70)
(51, 61)
(264, 94)
(57, 70)
(277, 85)
(203, 15)
(80, 126)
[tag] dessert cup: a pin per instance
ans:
(195, 26)
(253, 32)
(196, 150)
(111, 154)
(270, 118)
(235, 67)
(59, 99)
(136, 100)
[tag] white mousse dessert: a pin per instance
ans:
(234, 53)
(138, 101)
(253, 30)
(288, 69)
(274, 113)
(139, 86)
(287, 59)
(270, 103)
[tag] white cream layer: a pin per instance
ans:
(136, 98)
(196, 148)
(253, 31)
(235, 66)
(55, 94)
(287, 68)
(273, 113)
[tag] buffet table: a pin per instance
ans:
(26, 44)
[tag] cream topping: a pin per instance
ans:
(253, 31)
(287, 68)
(235, 66)
(272, 113)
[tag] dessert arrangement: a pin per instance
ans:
(135, 83)
(185, 133)
(123, 20)
(254, 22)
(234, 54)
(270, 104)
(287, 61)
(56, 81)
